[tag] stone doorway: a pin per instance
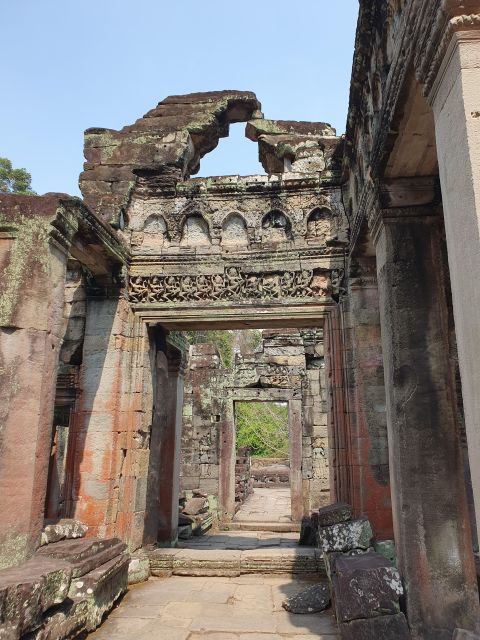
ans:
(262, 471)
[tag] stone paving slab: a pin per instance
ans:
(266, 505)
(239, 608)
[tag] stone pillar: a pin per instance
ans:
(339, 467)
(157, 437)
(430, 513)
(227, 457)
(370, 482)
(455, 98)
(113, 423)
(32, 281)
(295, 446)
(170, 450)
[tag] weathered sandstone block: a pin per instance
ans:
(63, 530)
(310, 600)
(334, 513)
(356, 534)
(365, 586)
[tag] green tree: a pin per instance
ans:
(262, 426)
(14, 180)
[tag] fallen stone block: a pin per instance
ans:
(385, 627)
(28, 590)
(194, 506)
(334, 514)
(310, 600)
(84, 555)
(185, 531)
(463, 634)
(64, 529)
(65, 621)
(101, 588)
(356, 534)
(365, 586)
(329, 558)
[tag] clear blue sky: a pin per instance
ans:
(70, 64)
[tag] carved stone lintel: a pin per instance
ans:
(233, 285)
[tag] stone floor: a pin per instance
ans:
(211, 608)
(266, 505)
(241, 540)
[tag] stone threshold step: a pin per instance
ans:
(229, 562)
(273, 527)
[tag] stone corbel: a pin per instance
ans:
(403, 198)
(440, 29)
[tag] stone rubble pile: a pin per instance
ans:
(364, 582)
(65, 589)
(269, 472)
(195, 515)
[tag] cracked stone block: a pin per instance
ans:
(311, 600)
(365, 586)
(356, 534)
(334, 514)
(84, 555)
(101, 588)
(194, 506)
(386, 627)
(63, 530)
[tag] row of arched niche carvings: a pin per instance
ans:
(275, 227)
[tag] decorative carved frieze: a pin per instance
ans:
(233, 285)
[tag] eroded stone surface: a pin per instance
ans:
(334, 514)
(312, 600)
(365, 586)
(356, 534)
(63, 530)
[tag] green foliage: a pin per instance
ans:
(262, 426)
(223, 340)
(14, 180)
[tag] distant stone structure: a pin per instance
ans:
(371, 238)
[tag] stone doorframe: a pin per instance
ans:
(293, 398)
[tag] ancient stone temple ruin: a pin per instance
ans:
(356, 255)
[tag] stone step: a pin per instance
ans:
(84, 554)
(227, 562)
(274, 527)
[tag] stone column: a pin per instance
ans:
(339, 467)
(32, 283)
(170, 450)
(227, 456)
(30, 342)
(430, 513)
(370, 482)
(295, 446)
(455, 98)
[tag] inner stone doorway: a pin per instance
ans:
(262, 473)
